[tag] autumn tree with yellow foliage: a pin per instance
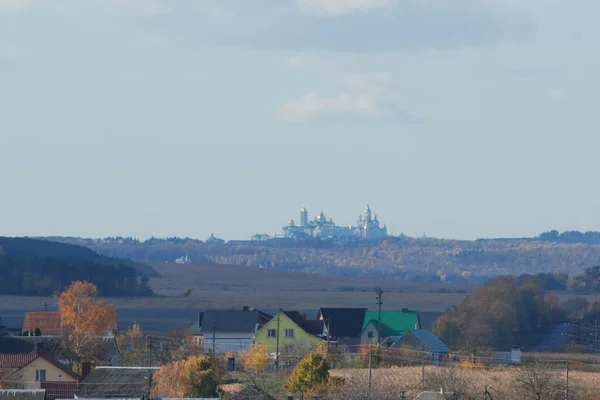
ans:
(194, 377)
(85, 318)
(132, 346)
(255, 359)
(311, 375)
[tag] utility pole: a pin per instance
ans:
(329, 334)
(370, 372)
(567, 385)
(277, 336)
(149, 384)
(487, 395)
(379, 303)
(214, 335)
(596, 334)
(422, 370)
(149, 347)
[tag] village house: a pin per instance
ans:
(47, 323)
(52, 346)
(288, 329)
(343, 326)
(394, 324)
(228, 330)
(422, 340)
(39, 371)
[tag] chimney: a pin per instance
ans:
(86, 368)
(246, 308)
(40, 348)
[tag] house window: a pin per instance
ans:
(289, 333)
(370, 335)
(272, 333)
(40, 375)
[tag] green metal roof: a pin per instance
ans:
(393, 322)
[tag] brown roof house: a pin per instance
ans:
(47, 322)
(34, 371)
(59, 390)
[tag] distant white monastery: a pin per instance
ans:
(366, 228)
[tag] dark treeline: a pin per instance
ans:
(509, 311)
(590, 237)
(40, 268)
(588, 281)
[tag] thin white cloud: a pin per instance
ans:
(312, 106)
(331, 25)
(362, 95)
(339, 7)
(299, 25)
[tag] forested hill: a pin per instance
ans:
(415, 259)
(40, 268)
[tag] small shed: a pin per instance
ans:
(424, 340)
(436, 396)
(513, 356)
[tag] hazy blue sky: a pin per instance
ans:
(454, 118)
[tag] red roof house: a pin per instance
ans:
(59, 390)
(16, 360)
(48, 322)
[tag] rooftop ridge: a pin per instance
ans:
(117, 367)
(23, 390)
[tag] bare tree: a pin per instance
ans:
(536, 381)
(291, 354)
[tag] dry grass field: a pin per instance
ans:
(470, 383)
(225, 286)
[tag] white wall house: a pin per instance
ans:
(228, 330)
